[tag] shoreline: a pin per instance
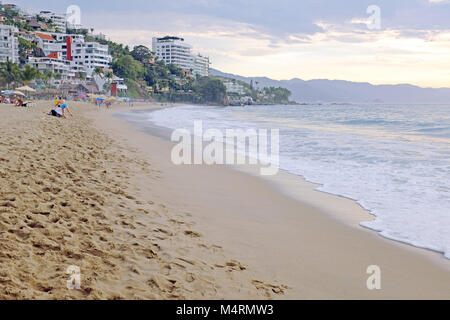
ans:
(388, 251)
(342, 209)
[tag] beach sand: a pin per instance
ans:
(95, 192)
(67, 199)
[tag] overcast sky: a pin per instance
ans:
(284, 39)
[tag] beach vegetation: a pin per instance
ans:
(12, 74)
(9, 73)
(128, 68)
(26, 49)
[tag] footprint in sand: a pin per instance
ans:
(192, 234)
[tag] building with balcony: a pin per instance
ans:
(58, 20)
(201, 65)
(86, 56)
(234, 88)
(173, 50)
(9, 44)
(91, 55)
(66, 69)
(61, 37)
(46, 42)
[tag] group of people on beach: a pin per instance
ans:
(17, 102)
(60, 109)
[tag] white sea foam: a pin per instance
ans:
(393, 160)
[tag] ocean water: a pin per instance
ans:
(394, 160)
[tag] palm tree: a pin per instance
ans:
(81, 75)
(47, 76)
(29, 73)
(109, 76)
(98, 71)
(10, 73)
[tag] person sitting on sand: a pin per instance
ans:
(27, 104)
(57, 112)
(19, 103)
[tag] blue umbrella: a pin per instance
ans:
(99, 99)
(7, 92)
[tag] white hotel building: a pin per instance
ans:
(58, 20)
(91, 55)
(86, 56)
(56, 65)
(68, 55)
(9, 44)
(173, 50)
(201, 65)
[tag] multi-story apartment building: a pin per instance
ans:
(86, 56)
(27, 35)
(61, 37)
(173, 50)
(91, 55)
(201, 65)
(56, 65)
(234, 87)
(9, 44)
(46, 42)
(58, 20)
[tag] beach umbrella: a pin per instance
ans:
(25, 89)
(100, 99)
(97, 96)
(7, 92)
(82, 96)
(18, 93)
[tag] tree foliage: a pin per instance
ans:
(11, 74)
(211, 90)
(277, 95)
(142, 54)
(127, 67)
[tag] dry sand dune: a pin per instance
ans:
(67, 199)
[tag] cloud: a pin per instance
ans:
(438, 1)
(288, 38)
(277, 20)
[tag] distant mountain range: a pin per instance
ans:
(340, 91)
